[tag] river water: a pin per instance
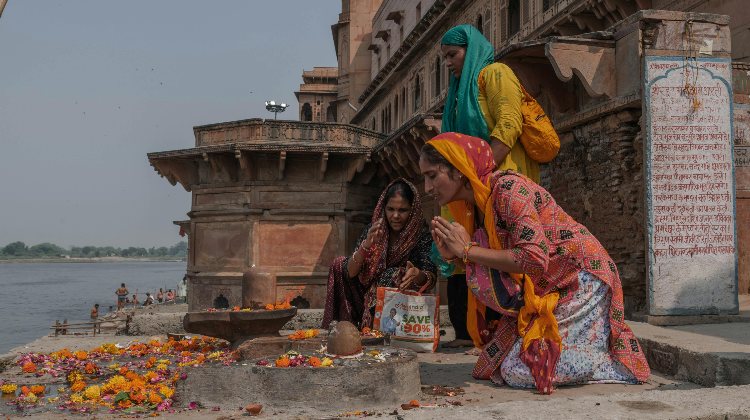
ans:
(33, 296)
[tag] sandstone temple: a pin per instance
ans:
(651, 99)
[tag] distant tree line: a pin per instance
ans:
(19, 249)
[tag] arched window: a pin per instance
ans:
(306, 112)
(331, 113)
(417, 93)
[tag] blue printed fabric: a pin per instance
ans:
(584, 327)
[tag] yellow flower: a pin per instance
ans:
(326, 361)
(114, 384)
(8, 388)
(164, 361)
(114, 366)
(110, 348)
(93, 392)
(161, 366)
(75, 376)
(31, 398)
(166, 391)
(214, 355)
(76, 398)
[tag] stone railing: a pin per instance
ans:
(257, 130)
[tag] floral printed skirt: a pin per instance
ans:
(584, 328)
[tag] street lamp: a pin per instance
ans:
(272, 106)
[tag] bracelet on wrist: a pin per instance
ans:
(467, 247)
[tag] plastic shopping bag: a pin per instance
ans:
(410, 318)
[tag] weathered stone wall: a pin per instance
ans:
(598, 179)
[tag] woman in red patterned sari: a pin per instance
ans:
(392, 251)
(561, 303)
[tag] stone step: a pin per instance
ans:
(705, 354)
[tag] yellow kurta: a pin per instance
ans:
(500, 97)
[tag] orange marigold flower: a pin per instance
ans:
(154, 398)
(269, 307)
(29, 367)
(124, 404)
(37, 389)
(282, 361)
(78, 386)
(236, 308)
(137, 396)
(314, 361)
(150, 362)
(90, 368)
(123, 370)
(25, 390)
(366, 330)
(81, 355)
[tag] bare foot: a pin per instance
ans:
(458, 343)
(474, 351)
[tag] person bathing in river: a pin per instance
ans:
(122, 295)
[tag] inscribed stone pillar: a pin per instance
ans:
(692, 249)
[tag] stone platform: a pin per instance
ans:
(349, 383)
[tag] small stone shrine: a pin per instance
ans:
(284, 197)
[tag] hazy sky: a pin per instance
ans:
(88, 87)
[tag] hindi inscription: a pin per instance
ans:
(692, 255)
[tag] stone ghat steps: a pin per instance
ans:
(705, 354)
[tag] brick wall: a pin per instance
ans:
(598, 179)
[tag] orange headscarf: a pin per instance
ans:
(473, 157)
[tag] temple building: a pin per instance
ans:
(317, 95)
(650, 98)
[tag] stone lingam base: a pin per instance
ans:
(350, 382)
(238, 327)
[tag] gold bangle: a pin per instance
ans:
(467, 247)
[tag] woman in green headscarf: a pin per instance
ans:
(484, 100)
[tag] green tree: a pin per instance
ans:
(46, 249)
(16, 249)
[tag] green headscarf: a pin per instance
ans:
(461, 113)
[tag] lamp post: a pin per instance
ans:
(272, 106)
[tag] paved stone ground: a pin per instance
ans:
(705, 354)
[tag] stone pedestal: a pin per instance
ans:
(690, 197)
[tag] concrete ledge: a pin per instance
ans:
(674, 320)
(710, 355)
